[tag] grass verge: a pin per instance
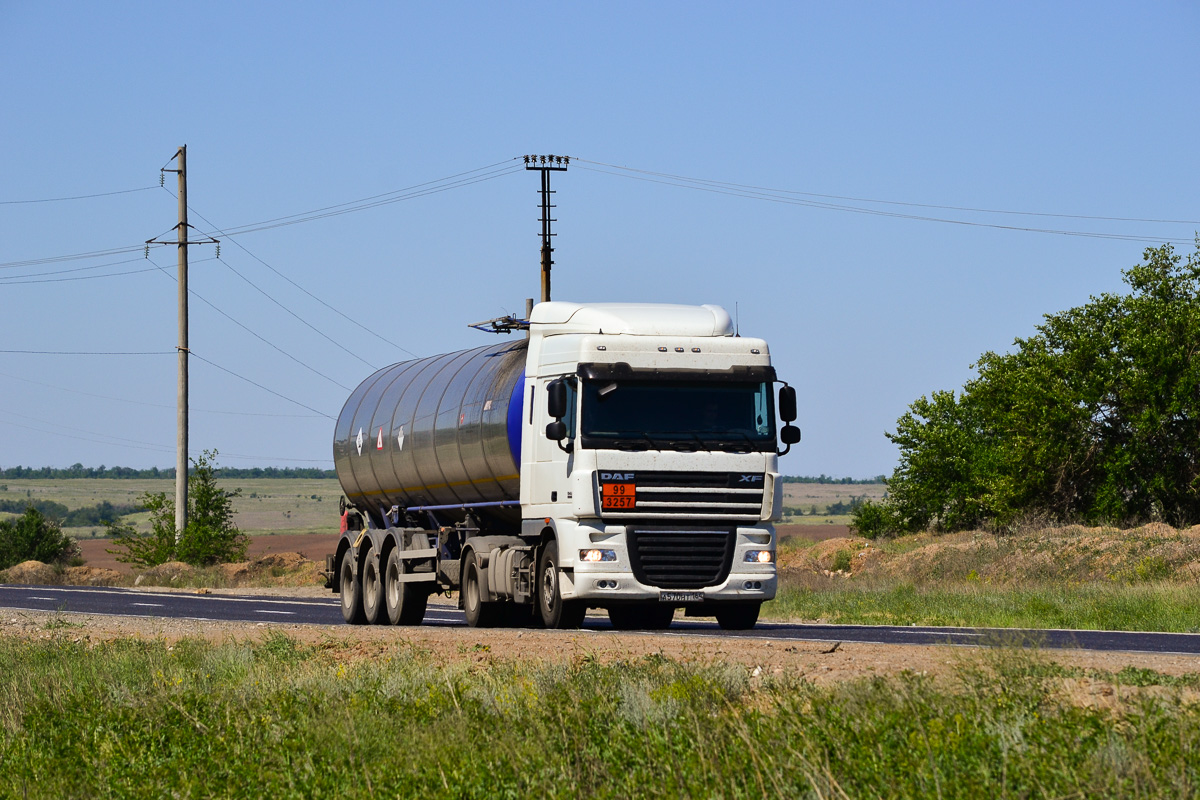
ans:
(141, 718)
(1118, 607)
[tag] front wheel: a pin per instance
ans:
(555, 612)
(738, 616)
(404, 600)
(352, 608)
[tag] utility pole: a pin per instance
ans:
(546, 165)
(181, 417)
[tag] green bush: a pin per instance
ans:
(34, 537)
(210, 537)
(1093, 419)
(841, 561)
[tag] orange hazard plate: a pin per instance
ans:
(618, 495)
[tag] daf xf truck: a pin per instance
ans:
(621, 457)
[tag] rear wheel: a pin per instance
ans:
(372, 590)
(404, 601)
(480, 613)
(352, 608)
(738, 616)
(641, 617)
(555, 612)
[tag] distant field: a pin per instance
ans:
(266, 505)
(302, 505)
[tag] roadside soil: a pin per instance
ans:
(312, 546)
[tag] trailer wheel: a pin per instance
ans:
(641, 617)
(555, 612)
(352, 607)
(738, 616)
(405, 602)
(372, 590)
(479, 612)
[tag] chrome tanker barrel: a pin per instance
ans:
(437, 434)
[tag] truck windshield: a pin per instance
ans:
(678, 415)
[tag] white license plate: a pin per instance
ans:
(681, 597)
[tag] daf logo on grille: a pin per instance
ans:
(616, 476)
(751, 479)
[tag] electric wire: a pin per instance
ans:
(6, 278)
(90, 353)
(191, 409)
(196, 355)
(341, 314)
(731, 190)
(270, 224)
(890, 202)
(75, 197)
(456, 181)
(79, 277)
(490, 171)
(154, 448)
(270, 297)
(252, 332)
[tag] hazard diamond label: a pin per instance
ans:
(379, 440)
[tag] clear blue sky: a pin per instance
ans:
(1065, 108)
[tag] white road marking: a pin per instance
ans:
(266, 611)
(43, 598)
(148, 605)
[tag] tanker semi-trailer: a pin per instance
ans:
(622, 457)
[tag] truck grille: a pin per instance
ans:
(680, 559)
(711, 496)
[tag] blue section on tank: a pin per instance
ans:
(515, 404)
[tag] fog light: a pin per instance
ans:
(759, 556)
(597, 555)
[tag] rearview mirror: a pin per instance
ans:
(556, 403)
(787, 403)
(790, 435)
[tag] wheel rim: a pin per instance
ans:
(347, 585)
(371, 584)
(472, 598)
(549, 587)
(392, 585)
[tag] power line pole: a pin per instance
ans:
(546, 165)
(181, 418)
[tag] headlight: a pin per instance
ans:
(597, 555)
(760, 556)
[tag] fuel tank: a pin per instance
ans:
(438, 431)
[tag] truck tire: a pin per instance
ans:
(352, 608)
(404, 602)
(555, 612)
(479, 612)
(641, 617)
(372, 590)
(738, 616)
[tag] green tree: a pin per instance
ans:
(1095, 418)
(34, 537)
(211, 537)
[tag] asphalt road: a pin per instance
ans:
(325, 611)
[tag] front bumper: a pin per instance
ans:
(614, 581)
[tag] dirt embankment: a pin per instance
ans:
(1069, 554)
(312, 546)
